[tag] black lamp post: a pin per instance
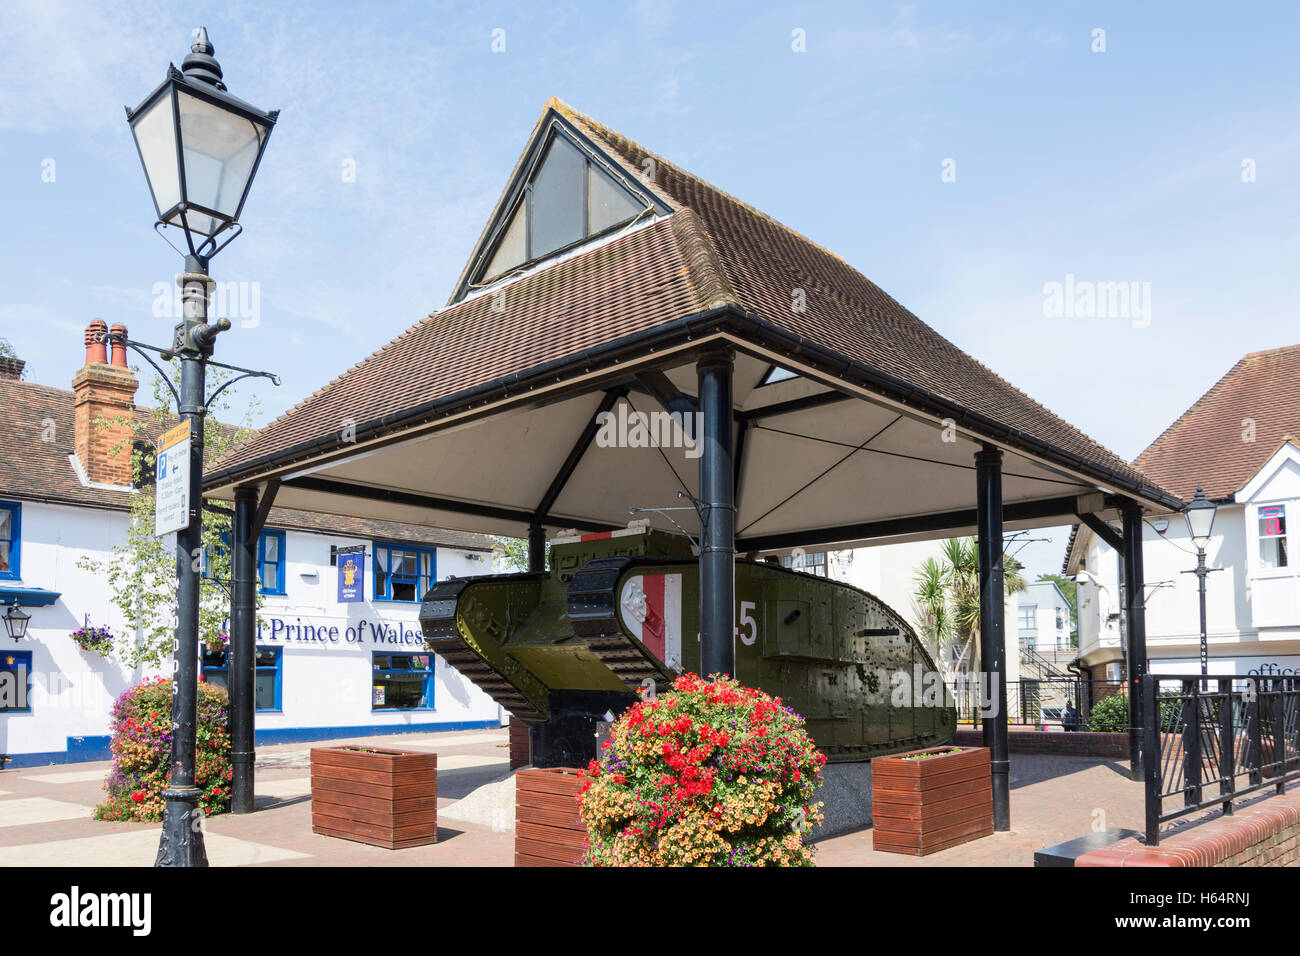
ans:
(16, 622)
(1200, 522)
(200, 148)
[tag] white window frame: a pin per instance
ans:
(1253, 562)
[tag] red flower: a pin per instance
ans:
(138, 796)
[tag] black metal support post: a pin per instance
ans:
(1136, 621)
(1227, 744)
(536, 548)
(181, 843)
(988, 480)
(1151, 758)
(1201, 572)
(1280, 733)
(1192, 740)
(243, 648)
(717, 518)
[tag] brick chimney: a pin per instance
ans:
(11, 368)
(105, 391)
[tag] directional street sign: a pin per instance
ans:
(172, 505)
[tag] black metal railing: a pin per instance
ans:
(1037, 702)
(1235, 733)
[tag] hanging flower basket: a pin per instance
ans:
(97, 639)
(219, 643)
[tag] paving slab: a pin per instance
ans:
(139, 848)
(25, 811)
(292, 787)
(70, 776)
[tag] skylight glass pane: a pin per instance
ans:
(777, 374)
(608, 203)
(558, 217)
(511, 251)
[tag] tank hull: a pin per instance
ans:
(613, 622)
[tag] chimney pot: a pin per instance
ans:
(119, 348)
(96, 353)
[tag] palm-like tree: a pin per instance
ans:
(947, 598)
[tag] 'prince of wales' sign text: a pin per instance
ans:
(378, 632)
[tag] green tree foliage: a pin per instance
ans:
(511, 554)
(946, 596)
(141, 572)
(1109, 715)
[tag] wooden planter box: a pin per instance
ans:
(547, 829)
(521, 754)
(386, 798)
(920, 806)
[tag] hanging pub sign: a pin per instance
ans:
(352, 577)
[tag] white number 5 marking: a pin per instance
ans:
(747, 619)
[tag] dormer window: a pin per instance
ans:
(569, 198)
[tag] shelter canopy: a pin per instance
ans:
(483, 416)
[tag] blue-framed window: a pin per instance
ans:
(15, 682)
(270, 561)
(11, 540)
(403, 572)
(266, 678)
(401, 682)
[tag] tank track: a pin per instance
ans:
(443, 637)
(593, 612)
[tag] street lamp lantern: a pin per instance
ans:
(1199, 513)
(200, 148)
(16, 622)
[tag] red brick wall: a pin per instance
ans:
(1109, 746)
(104, 450)
(1263, 833)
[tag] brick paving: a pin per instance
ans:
(45, 814)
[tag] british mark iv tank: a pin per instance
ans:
(618, 612)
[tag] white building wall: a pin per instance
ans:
(326, 657)
(71, 689)
(1252, 612)
(1051, 630)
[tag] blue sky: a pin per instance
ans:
(1116, 166)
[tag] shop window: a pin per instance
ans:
(266, 675)
(1273, 536)
(403, 572)
(15, 682)
(569, 199)
(402, 682)
(11, 515)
